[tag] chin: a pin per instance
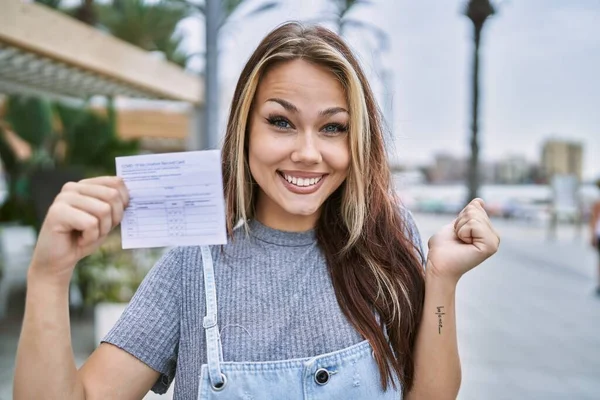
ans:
(303, 210)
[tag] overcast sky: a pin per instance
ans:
(540, 65)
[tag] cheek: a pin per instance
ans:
(263, 152)
(257, 163)
(338, 158)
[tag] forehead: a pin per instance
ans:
(302, 83)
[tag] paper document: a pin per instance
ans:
(176, 199)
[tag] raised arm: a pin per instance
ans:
(76, 224)
(454, 250)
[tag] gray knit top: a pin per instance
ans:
(275, 302)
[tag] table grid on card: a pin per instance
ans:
(168, 218)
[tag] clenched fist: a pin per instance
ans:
(464, 244)
(77, 223)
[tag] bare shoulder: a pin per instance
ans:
(113, 373)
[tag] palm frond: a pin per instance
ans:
(383, 39)
(55, 4)
(151, 27)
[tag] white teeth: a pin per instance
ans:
(302, 181)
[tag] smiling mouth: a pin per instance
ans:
(301, 181)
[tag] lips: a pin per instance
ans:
(299, 181)
(302, 182)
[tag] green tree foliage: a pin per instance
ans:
(61, 137)
(50, 3)
(150, 26)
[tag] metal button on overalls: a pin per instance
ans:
(322, 376)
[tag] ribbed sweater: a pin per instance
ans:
(275, 302)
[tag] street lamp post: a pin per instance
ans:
(478, 11)
(210, 120)
(206, 118)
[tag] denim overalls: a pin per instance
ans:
(350, 373)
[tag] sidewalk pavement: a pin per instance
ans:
(528, 322)
(527, 319)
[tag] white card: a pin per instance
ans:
(176, 199)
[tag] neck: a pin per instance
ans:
(277, 218)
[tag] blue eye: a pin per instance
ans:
(279, 122)
(282, 124)
(335, 128)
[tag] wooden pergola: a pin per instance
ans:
(45, 52)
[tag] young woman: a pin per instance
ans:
(595, 233)
(321, 293)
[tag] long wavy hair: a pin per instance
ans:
(376, 270)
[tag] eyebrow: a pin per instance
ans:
(292, 108)
(285, 104)
(332, 111)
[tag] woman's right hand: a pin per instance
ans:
(77, 223)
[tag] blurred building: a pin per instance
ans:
(513, 169)
(488, 172)
(448, 169)
(537, 174)
(562, 157)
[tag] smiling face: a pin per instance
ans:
(298, 147)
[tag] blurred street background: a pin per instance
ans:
(496, 99)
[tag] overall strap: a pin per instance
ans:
(211, 329)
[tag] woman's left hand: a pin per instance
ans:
(464, 244)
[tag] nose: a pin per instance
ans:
(306, 150)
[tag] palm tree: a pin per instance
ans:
(478, 11)
(150, 26)
(216, 13)
(86, 12)
(343, 21)
(231, 7)
(50, 3)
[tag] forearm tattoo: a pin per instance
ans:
(439, 313)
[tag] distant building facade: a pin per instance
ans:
(488, 172)
(562, 158)
(513, 169)
(448, 169)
